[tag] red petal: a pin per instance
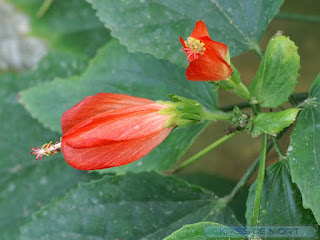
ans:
(182, 42)
(200, 30)
(118, 125)
(99, 103)
(112, 155)
(215, 46)
(208, 67)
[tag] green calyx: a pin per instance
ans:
(184, 112)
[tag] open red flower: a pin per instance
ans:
(109, 130)
(207, 57)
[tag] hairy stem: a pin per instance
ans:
(294, 99)
(218, 115)
(278, 148)
(248, 174)
(204, 151)
(259, 182)
(256, 109)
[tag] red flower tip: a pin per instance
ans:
(109, 130)
(207, 57)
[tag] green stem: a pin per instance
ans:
(44, 8)
(260, 179)
(278, 148)
(256, 109)
(204, 151)
(244, 90)
(299, 17)
(298, 97)
(217, 115)
(231, 107)
(227, 199)
(240, 89)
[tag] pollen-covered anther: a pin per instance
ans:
(47, 149)
(194, 47)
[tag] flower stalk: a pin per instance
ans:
(204, 151)
(278, 148)
(218, 115)
(260, 179)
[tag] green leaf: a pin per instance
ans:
(274, 122)
(68, 25)
(26, 184)
(201, 231)
(155, 26)
(115, 70)
(221, 187)
(133, 206)
(281, 202)
(304, 151)
(277, 74)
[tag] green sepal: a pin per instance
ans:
(215, 87)
(273, 122)
(177, 98)
(190, 116)
(183, 111)
(227, 58)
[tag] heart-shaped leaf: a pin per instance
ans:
(155, 26)
(26, 185)
(304, 151)
(204, 230)
(281, 203)
(131, 206)
(281, 199)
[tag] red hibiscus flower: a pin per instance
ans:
(207, 57)
(109, 130)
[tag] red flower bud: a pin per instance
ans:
(109, 130)
(207, 57)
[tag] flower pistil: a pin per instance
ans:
(47, 149)
(193, 47)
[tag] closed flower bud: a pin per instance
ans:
(109, 130)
